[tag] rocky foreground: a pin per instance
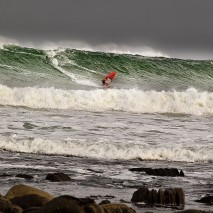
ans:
(27, 199)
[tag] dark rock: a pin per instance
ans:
(160, 196)
(179, 197)
(115, 208)
(181, 173)
(92, 170)
(208, 199)
(105, 197)
(124, 201)
(174, 197)
(28, 177)
(21, 190)
(104, 202)
(31, 200)
(5, 175)
(87, 200)
(192, 211)
(109, 196)
(57, 177)
(31, 209)
(7, 207)
(141, 195)
(168, 197)
(152, 196)
(67, 204)
(173, 172)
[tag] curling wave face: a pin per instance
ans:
(77, 69)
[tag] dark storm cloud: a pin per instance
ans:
(169, 25)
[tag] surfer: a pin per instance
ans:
(106, 81)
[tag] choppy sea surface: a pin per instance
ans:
(55, 116)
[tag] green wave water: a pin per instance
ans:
(77, 69)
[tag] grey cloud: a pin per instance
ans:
(169, 25)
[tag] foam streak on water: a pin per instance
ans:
(108, 135)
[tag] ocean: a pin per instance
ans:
(56, 116)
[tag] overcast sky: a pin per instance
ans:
(178, 28)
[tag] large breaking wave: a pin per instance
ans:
(74, 69)
(70, 79)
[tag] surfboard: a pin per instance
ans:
(110, 76)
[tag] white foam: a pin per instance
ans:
(83, 45)
(7, 66)
(74, 77)
(130, 49)
(104, 149)
(187, 102)
(4, 40)
(139, 49)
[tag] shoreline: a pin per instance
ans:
(21, 198)
(92, 177)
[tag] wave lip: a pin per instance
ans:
(130, 100)
(104, 149)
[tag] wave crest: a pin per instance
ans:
(130, 100)
(103, 149)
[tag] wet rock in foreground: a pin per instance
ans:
(68, 203)
(31, 200)
(168, 197)
(192, 211)
(27, 199)
(7, 206)
(22, 190)
(208, 199)
(172, 172)
(57, 177)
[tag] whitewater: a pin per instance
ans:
(157, 112)
(129, 100)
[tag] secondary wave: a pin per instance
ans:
(104, 150)
(190, 101)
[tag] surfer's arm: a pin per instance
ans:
(103, 80)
